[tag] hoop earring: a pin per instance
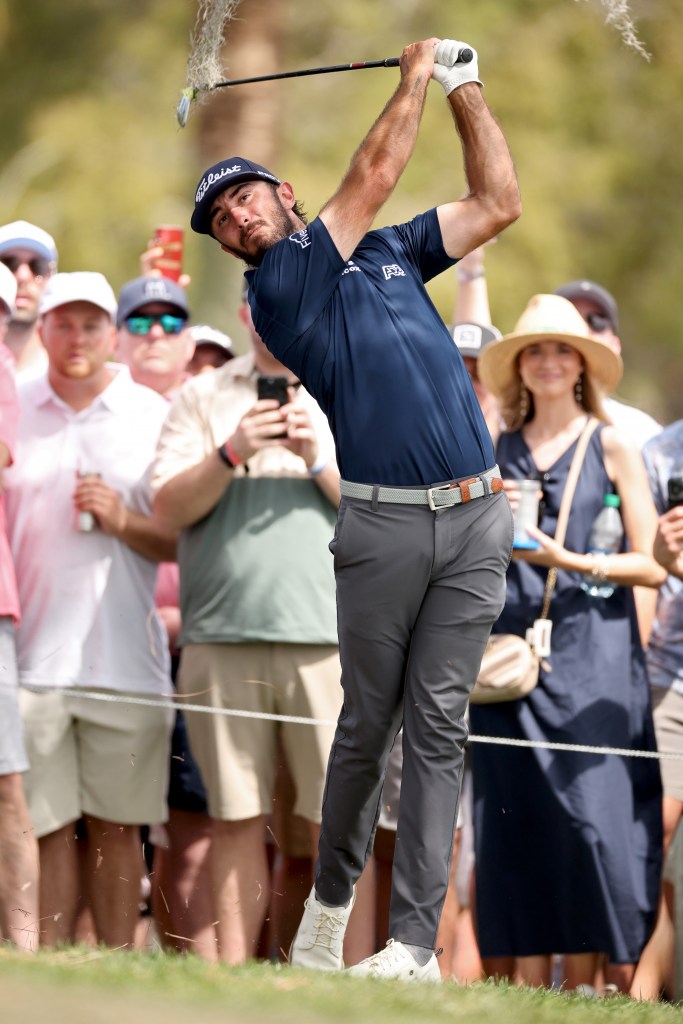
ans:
(578, 391)
(523, 402)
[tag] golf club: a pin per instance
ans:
(188, 95)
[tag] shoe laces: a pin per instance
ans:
(386, 957)
(326, 926)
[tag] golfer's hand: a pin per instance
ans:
(449, 74)
(418, 58)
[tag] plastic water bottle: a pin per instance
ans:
(605, 538)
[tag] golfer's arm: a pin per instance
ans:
(193, 493)
(377, 165)
(493, 199)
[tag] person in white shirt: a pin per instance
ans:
(85, 552)
(598, 308)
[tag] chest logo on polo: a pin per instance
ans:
(350, 268)
(301, 238)
(393, 270)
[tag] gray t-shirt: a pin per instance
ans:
(257, 569)
(664, 458)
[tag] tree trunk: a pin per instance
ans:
(245, 120)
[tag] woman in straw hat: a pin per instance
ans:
(568, 845)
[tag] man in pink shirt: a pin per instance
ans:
(18, 846)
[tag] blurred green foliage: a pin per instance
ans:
(90, 149)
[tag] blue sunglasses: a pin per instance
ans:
(143, 324)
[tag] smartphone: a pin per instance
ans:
(675, 491)
(273, 387)
(170, 238)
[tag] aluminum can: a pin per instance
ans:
(170, 238)
(85, 521)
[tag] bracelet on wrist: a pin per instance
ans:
(317, 467)
(229, 455)
(465, 276)
(599, 567)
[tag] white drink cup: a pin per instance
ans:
(526, 514)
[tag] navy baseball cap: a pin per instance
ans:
(143, 290)
(219, 177)
(585, 289)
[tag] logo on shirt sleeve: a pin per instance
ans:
(393, 270)
(301, 238)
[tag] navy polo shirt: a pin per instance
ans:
(366, 341)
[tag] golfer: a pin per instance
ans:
(424, 532)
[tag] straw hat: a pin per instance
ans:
(548, 317)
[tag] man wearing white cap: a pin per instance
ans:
(31, 255)
(86, 571)
(212, 349)
(18, 847)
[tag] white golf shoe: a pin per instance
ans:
(394, 961)
(320, 936)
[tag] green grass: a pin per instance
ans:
(102, 987)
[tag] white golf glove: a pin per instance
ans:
(447, 72)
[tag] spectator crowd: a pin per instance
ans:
(166, 507)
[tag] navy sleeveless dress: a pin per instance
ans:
(568, 845)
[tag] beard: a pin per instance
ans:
(281, 226)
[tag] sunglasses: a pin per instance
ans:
(38, 265)
(598, 322)
(143, 324)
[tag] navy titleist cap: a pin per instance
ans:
(142, 291)
(216, 180)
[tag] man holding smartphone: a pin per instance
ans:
(245, 470)
(424, 533)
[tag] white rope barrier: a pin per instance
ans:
(175, 705)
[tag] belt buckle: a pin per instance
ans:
(430, 495)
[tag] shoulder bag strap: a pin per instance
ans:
(566, 504)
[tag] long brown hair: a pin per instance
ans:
(511, 400)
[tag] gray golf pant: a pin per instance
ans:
(417, 594)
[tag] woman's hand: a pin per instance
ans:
(550, 554)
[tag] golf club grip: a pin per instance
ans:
(465, 55)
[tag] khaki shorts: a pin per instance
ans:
(12, 751)
(667, 708)
(109, 760)
(290, 833)
(237, 757)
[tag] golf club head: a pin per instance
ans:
(186, 99)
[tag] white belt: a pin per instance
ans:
(458, 492)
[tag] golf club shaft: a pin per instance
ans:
(464, 57)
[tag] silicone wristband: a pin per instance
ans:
(317, 467)
(229, 455)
